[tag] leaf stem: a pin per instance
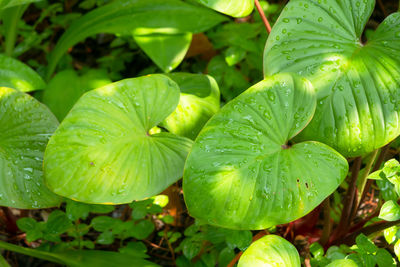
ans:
(377, 166)
(362, 183)
(327, 228)
(10, 19)
(262, 15)
(349, 199)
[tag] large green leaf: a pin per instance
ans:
(357, 84)
(25, 127)
(65, 88)
(199, 101)
(17, 75)
(166, 50)
(79, 258)
(125, 16)
(234, 8)
(241, 172)
(103, 151)
(12, 3)
(271, 251)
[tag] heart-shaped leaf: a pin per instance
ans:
(242, 173)
(65, 88)
(199, 101)
(103, 151)
(25, 127)
(123, 17)
(17, 75)
(357, 84)
(166, 50)
(234, 8)
(270, 250)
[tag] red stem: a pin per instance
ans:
(262, 15)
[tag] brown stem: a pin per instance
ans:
(382, 7)
(262, 15)
(377, 166)
(376, 227)
(327, 228)
(349, 199)
(363, 180)
(255, 238)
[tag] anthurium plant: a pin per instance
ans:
(199, 136)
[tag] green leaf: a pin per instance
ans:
(191, 247)
(365, 244)
(234, 55)
(10, 3)
(81, 258)
(390, 234)
(397, 249)
(357, 85)
(26, 224)
(25, 127)
(66, 87)
(225, 256)
(142, 229)
(239, 239)
(3, 262)
(342, 263)
(15, 74)
(242, 156)
(199, 101)
(168, 16)
(390, 211)
(234, 8)
(57, 223)
(105, 238)
(103, 152)
(317, 250)
(384, 258)
(270, 250)
(166, 50)
(103, 223)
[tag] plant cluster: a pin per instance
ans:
(164, 132)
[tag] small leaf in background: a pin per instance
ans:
(166, 50)
(316, 250)
(225, 256)
(105, 238)
(67, 86)
(56, 224)
(142, 229)
(34, 230)
(335, 253)
(390, 234)
(199, 101)
(384, 258)
(234, 55)
(365, 244)
(136, 249)
(103, 223)
(239, 239)
(270, 250)
(390, 211)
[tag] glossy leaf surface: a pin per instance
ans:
(103, 151)
(342, 263)
(166, 50)
(357, 84)
(25, 127)
(66, 87)
(168, 16)
(270, 251)
(241, 173)
(234, 8)
(200, 99)
(15, 74)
